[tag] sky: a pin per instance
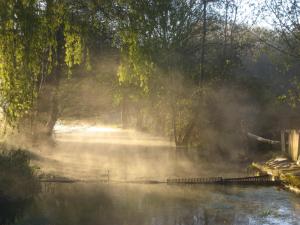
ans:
(251, 14)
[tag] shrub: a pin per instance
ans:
(17, 178)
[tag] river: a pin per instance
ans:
(87, 153)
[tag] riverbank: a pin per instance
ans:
(18, 179)
(282, 168)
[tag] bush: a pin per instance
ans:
(17, 178)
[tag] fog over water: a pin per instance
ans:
(86, 152)
(82, 151)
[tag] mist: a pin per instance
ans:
(87, 152)
(103, 102)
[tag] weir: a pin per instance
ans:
(253, 180)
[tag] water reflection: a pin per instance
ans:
(12, 211)
(122, 204)
(131, 155)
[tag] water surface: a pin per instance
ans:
(85, 153)
(137, 204)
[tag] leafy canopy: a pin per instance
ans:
(30, 46)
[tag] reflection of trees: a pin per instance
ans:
(118, 204)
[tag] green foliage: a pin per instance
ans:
(30, 48)
(164, 49)
(74, 46)
(17, 178)
(292, 95)
(151, 36)
(161, 52)
(292, 180)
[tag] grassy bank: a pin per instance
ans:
(291, 180)
(18, 178)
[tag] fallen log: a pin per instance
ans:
(261, 139)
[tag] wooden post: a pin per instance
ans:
(282, 141)
(294, 145)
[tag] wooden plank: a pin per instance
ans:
(294, 145)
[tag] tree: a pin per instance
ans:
(172, 49)
(286, 41)
(41, 42)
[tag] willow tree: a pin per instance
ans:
(171, 49)
(40, 42)
(159, 55)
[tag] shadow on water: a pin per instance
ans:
(136, 204)
(12, 211)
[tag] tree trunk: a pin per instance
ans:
(139, 119)
(203, 43)
(56, 77)
(124, 112)
(188, 131)
(54, 115)
(49, 95)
